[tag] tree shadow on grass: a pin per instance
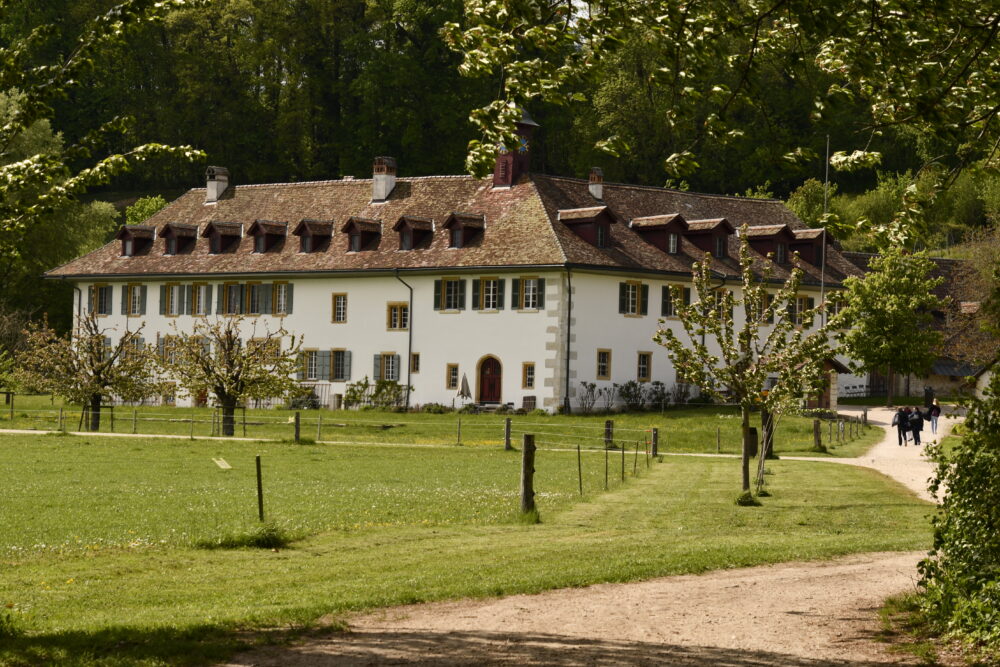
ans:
(490, 648)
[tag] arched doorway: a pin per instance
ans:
(490, 375)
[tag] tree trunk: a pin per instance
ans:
(745, 463)
(228, 417)
(888, 387)
(95, 413)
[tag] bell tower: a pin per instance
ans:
(513, 161)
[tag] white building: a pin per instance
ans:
(526, 284)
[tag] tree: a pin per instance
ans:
(214, 360)
(88, 366)
(770, 350)
(41, 183)
(143, 209)
(887, 316)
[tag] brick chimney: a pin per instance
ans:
(383, 178)
(512, 161)
(596, 183)
(217, 182)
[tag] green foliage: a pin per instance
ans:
(143, 209)
(960, 579)
(268, 535)
(633, 394)
(885, 323)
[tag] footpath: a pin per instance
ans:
(815, 614)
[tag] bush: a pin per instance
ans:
(633, 394)
(306, 401)
(435, 409)
(8, 624)
(266, 536)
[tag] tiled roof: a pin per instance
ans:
(268, 227)
(179, 229)
(362, 225)
(656, 221)
(414, 222)
(767, 230)
(806, 234)
(136, 232)
(522, 226)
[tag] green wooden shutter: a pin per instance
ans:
(163, 299)
(541, 293)
(687, 296)
(622, 297)
(267, 291)
(142, 300)
(91, 299)
(188, 298)
(437, 295)
(644, 300)
(500, 293)
(475, 294)
(347, 365)
(241, 302)
(289, 299)
(208, 299)
(300, 374)
(666, 307)
(399, 370)
(377, 368)
(461, 294)
(124, 299)
(515, 293)
(323, 365)
(220, 303)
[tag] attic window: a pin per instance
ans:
(602, 235)
(314, 235)
(362, 234)
(720, 247)
(673, 242)
(465, 229)
(592, 224)
(223, 237)
(136, 239)
(267, 236)
(414, 233)
(179, 238)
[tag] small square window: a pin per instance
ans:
(528, 375)
(604, 364)
(451, 376)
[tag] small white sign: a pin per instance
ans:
(222, 464)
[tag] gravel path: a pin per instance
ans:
(812, 614)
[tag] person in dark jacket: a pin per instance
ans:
(902, 425)
(916, 425)
(935, 412)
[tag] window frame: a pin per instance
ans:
(495, 282)
(333, 307)
(673, 243)
(528, 375)
(279, 287)
(721, 249)
(451, 376)
(230, 289)
(253, 289)
(198, 300)
(414, 362)
(454, 304)
(636, 289)
(310, 358)
(397, 316)
(388, 362)
(523, 297)
(606, 362)
(173, 305)
(108, 294)
(134, 300)
(648, 358)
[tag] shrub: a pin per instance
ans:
(8, 624)
(538, 412)
(435, 409)
(607, 396)
(305, 401)
(633, 394)
(657, 394)
(746, 499)
(265, 536)
(588, 397)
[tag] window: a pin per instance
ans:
(633, 298)
(260, 243)
(387, 367)
(602, 236)
(528, 375)
(528, 294)
(128, 247)
(174, 294)
(667, 306)
(449, 294)
(720, 245)
(644, 366)
(306, 243)
(281, 299)
(341, 360)
(339, 308)
(168, 349)
(354, 242)
(254, 297)
(310, 364)
(171, 245)
(487, 294)
(406, 239)
(270, 348)
(780, 254)
(604, 364)
(451, 376)
(415, 362)
(99, 299)
(798, 309)
(201, 295)
(455, 237)
(673, 242)
(232, 299)
(134, 301)
(397, 316)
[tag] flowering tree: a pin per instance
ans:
(214, 359)
(87, 365)
(772, 349)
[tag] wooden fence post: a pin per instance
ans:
(718, 439)
(506, 435)
(135, 421)
(260, 492)
(579, 468)
(623, 462)
(245, 423)
(298, 425)
(609, 433)
(605, 468)
(192, 424)
(656, 442)
(111, 411)
(319, 428)
(60, 418)
(12, 406)
(817, 435)
(528, 474)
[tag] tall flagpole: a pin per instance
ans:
(822, 260)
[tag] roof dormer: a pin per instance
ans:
(465, 229)
(362, 233)
(178, 238)
(592, 224)
(223, 237)
(773, 240)
(314, 235)
(809, 244)
(711, 236)
(661, 231)
(415, 233)
(136, 239)
(268, 236)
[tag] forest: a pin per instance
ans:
(720, 97)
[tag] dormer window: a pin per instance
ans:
(136, 239)
(178, 238)
(414, 233)
(781, 253)
(465, 229)
(223, 237)
(314, 235)
(673, 242)
(710, 236)
(772, 241)
(720, 246)
(592, 224)
(267, 236)
(362, 234)
(662, 231)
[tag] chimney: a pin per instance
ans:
(512, 161)
(597, 183)
(383, 178)
(217, 181)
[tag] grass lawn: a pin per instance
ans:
(699, 429)
(99, 568)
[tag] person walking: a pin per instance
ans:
(901, 424)
(934, 412)
(916, 425)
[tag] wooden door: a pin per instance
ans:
(489, 381)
